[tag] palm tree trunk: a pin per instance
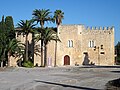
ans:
(55, 53)
(33, 47)
(26, 51)
(8, 59)
(45, 56)
(42, 26)
(3, 59)
(56, 48)
(41, 52)
(1, 63)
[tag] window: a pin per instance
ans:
(102, 52)
(101, 46)
(70, 43)
(85, 53)
(91, 43)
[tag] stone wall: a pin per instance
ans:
(103, 40)
(81, 36)
(75, 43)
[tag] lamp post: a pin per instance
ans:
(97, 47)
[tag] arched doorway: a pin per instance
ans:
(66, 60)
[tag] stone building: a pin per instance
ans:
(80, 45)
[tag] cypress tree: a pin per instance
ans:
(3, 40)
(7, 33)
(10, 27)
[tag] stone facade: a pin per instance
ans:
(81, 45)
(89, 45)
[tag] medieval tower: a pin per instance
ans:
(85, 45)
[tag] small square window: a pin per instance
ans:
(85, 53)
(102, 52)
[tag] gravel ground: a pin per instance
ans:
(1, 69)
(58, 78)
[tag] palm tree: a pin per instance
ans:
(48, 35)
(9, 47)
(58, 16)
(42, 16)
(27, 27)
(14, 48)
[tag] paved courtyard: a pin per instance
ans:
(58, 78)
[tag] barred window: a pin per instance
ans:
(91, 43)
(70, 43)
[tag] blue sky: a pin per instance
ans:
(87, 12)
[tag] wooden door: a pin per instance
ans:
(66, 60)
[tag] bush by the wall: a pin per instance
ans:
(28, 64)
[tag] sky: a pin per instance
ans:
(88, 12)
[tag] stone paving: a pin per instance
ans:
(58, 78)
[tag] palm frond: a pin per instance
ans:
(42, 16)
(58, 16)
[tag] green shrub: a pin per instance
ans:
(118, 60)
(28, 64)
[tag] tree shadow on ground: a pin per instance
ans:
(115, 71)
(113, 84)
(95, 66)
(86, 59)
(65, 85)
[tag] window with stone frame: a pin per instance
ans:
(91, 44)
(70, 43)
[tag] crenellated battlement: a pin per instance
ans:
(99, 28)
(87, 27)
(80, 28)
